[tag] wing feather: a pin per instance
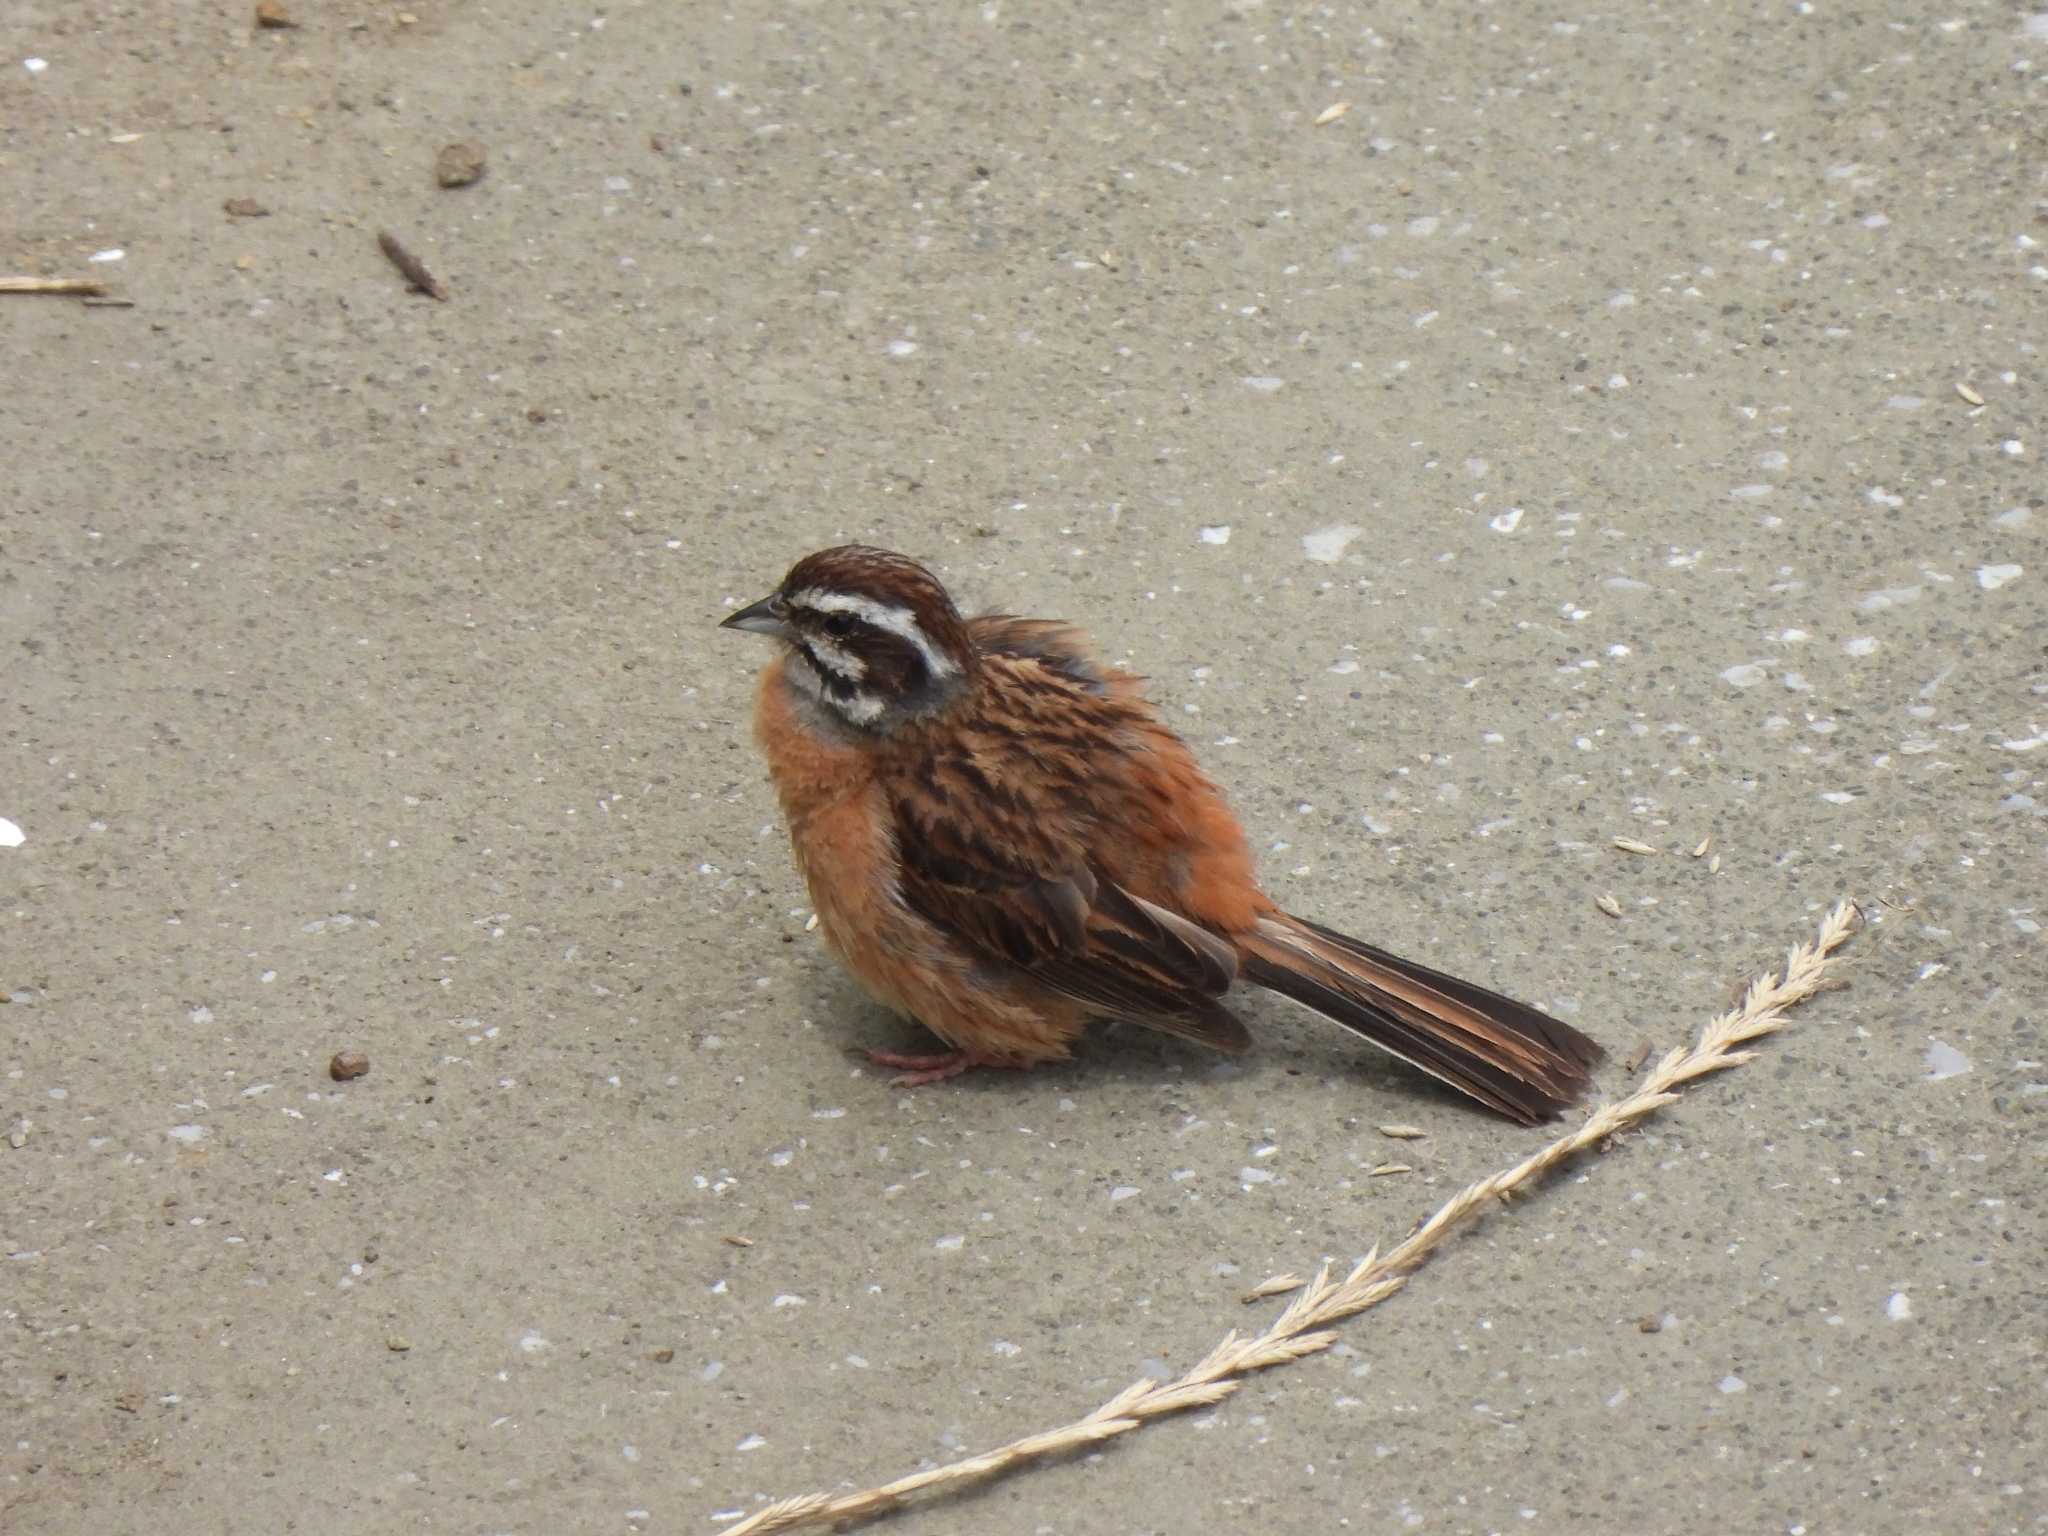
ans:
(993, 833)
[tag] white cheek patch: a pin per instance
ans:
(900, 622)
(855, 708)
(860, 708)
(836, 657)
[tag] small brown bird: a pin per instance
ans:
(1004, 840)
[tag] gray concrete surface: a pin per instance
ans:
(361, 691)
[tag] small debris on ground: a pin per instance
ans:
(86, 285)
(273, 15)
(347, 1065)
(1608, 905)
(245, 208)
(1403, 1132)
(459, 164)
(414, 269)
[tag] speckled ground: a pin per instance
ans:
(1615, 425)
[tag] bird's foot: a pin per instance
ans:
(914, 1071)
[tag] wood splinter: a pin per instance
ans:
(414, 269)
(90, 286)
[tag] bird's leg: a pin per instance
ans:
(914, 1071)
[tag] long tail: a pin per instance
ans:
(1509, 1057)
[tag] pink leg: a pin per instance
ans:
(914, 1071)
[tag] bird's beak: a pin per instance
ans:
(759, 619)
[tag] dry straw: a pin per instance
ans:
(1303, 1328)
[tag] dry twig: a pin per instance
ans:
(86, 285)
(414, 269)
(1303, 1326)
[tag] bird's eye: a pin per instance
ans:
(839, 625)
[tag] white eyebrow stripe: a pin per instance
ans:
(900, 622)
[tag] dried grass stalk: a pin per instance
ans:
(1303, 1327)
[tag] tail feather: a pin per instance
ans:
(1521, 1063)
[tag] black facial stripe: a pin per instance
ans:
(836, 683)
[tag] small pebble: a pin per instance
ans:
(347, 1065)
(272, 14)
(459, 164)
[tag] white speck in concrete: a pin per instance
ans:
(532, 1342)
(2014, 517)
(1860, 645)
(1216, 533)
(752, 1443)
(1328, 544)
(1744, 675)
(712, 1371)
(187, 1133)
(1751, 492)
(35, 66)
(202, 1015)
(11, 836)
(1887, 597)
(1507, 522)
(1124, 1192)
(1264, 383)
(952, 1242)
(902, 347)
(1899, 1308)
(787, 1300)
(1732, 1383)
(1944, 1060)
(1992, 577)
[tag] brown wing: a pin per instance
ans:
(1053, 643)
(993, 834)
